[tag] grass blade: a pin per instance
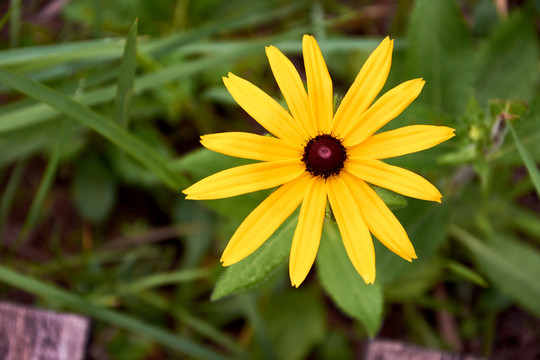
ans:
(14, 22)
(161, 279)
(5, 19)
(127, 76)
(528, 160)
(512, 266)
(38, 113)
(46, 181)
(83, 306)
(9, 192)
(139, 150)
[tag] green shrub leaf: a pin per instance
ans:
(257, 266)
(508, 62)
(512, 266)
(440, 51)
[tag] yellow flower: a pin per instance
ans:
(317, 154)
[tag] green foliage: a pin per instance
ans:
(512, 266)
(260, 264)
(93, 189)
(508, 60)
(289, 314)
(100, 117)
(341, 281)
(440, 51)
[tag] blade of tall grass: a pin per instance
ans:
(528, 160)
(111, 48)
(9, 192)
(90, 50)
(161, 279)
(46, 181)
(5, 18)
(256, 13)
(128, 67)
(38, 113)
(289, 45)
(203, 327)
(14, 22)
(317, 19)
(139, 150)
(219, 53)
(74, 302)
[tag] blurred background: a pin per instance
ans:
(101, 107)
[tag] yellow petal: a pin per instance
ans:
(367, 85)
(394, 178)
(261, 107)
(353, 229)
(319, 85)
(293, 90)
(405, 140)
(251, 146)
(380, 220)
(245, 179)
(264, 220)
(386, 108)
(307, 235)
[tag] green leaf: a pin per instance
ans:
(127, 75)
(391, 199)
(72, 301)
(508, 62)
(257, 266)
(464, 272)
(440, 51)
(93, 189)
(288, 314)
(343, 283)
(528, 160)
(103, 126)
(513, 267)
(527, 221)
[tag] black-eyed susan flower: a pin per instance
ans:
(318, 154)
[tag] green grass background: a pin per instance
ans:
(101, 107)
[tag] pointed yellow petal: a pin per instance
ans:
(405, 140)
(264, 220)
(380, 220)
(251, 146)
(386, 108)
(353, 229)
(307, 235)
(261, 107)
(245, 179)
(367, 85)
(394, 178)
(293, 90)
(319, 85)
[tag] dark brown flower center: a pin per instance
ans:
(324, 156)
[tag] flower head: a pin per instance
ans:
(318, 155)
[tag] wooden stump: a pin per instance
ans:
(30, 334)
(378, 349)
